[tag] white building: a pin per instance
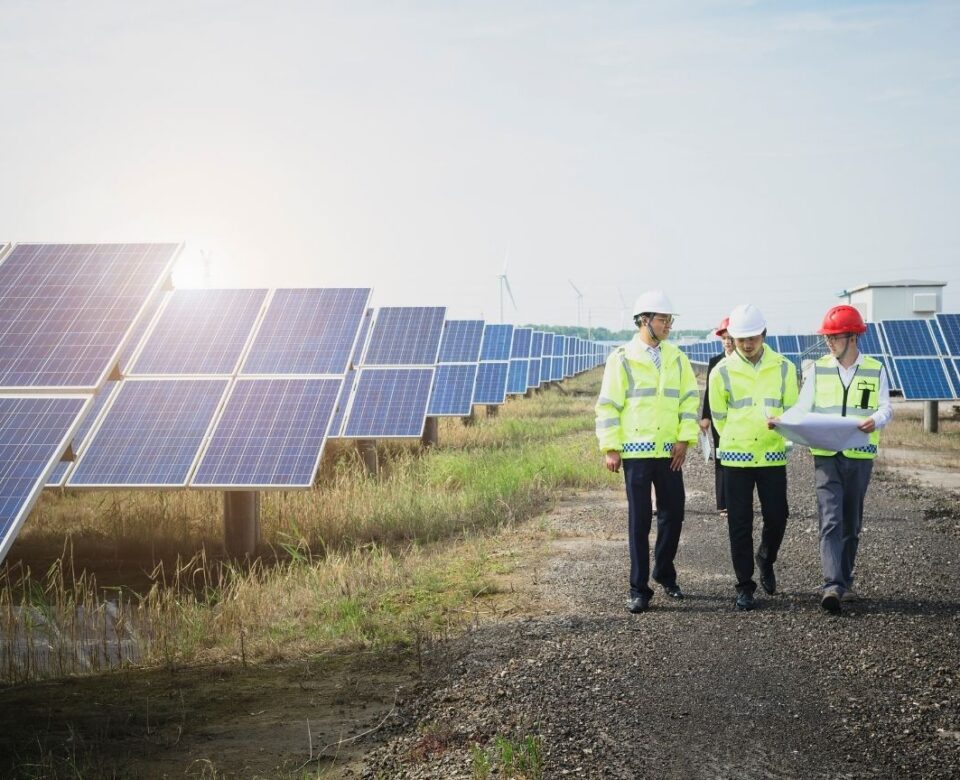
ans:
(903, 299)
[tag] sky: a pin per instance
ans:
(724, 151)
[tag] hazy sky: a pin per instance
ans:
(770, 152)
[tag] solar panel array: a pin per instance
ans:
(922, 356)
(222, 389)
(67, 312)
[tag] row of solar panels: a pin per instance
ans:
(234, 389)
(922, 356)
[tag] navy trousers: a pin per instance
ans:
(639, 474)
(771, 486)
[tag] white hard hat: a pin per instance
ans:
(746, 320)
(654, 302)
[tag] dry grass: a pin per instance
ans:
(905, 432)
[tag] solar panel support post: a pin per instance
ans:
(241, 522)
(470, 419)
(931, 416)
(492, 411)
(367, 448)
(431, 432)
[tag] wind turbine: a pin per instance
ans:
(579, 300)
(505, 283)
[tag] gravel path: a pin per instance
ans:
(696, 689)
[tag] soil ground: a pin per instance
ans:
(688, 689)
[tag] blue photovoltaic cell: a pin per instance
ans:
(950, 327)
(200, 332)
(491, 383)
(869, 342)
(522, 338)
(938, 339)
(405, 336)
(536, 344)
(66, 309)
(461, 341)
(908, 338)
(497, 340)
(100, 400)
(33, 434)
(389, 403)
(517, 379)
(547, 346)
(453, 386)
(307, 331)
(151, 433)
(774, 342)
(953, 366)
(137, 331)
(923, 379)
(789, 345)
(809, 341)
(533, 374)
(271, 434)
(556, 368)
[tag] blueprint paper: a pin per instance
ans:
(822, 431)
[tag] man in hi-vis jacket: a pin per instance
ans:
(646, 418)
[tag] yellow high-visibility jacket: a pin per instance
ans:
(742, 397)
(861, 399)
(643, 411)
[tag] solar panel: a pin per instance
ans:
(66, 309)
(924, 379)
(150, 434)
(100, 401)
(138, 330)
(497, 340)
(270, 434)
(453, 387)
(869, 342)
(307, 332)
(953, 368)
(461, 341)
(405, 336)
(200, 332)
(491, 383)
(908, 338)
(389, 403)
(533, 374)
(517, 379)
(789, 345)
(34, 432)
(938, 338)
(950, 327)
(522, 338)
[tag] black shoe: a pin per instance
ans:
(673, 591)
(768, 580)
(745, 601)
(831, 602)
(638, 604)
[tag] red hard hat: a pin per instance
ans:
(842, 319)
(724, 323)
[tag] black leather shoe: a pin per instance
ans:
(673, 591)
(745, 601)
(768, 580)
(638, 604)
(831, 602)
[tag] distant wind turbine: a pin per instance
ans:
(505, 284)
(579, 300)
(623, 308)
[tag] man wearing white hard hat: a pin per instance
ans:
(646, 418)
(746, 389)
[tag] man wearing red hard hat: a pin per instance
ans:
(848, 383)
(706, 421)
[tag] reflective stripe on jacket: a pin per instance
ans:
(860, 399)
(642, 411)
(742, 398)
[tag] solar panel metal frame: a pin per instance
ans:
(517, 376)
(265, 321)
(498, 340)
(222, 412)
(162, 280)
(488, 366)
(149, 485)
(152, 331)
(456, 346)
(949, 325)
(339, 416)
(17, 520)
(899, 341)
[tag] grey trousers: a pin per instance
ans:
(841, 487)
